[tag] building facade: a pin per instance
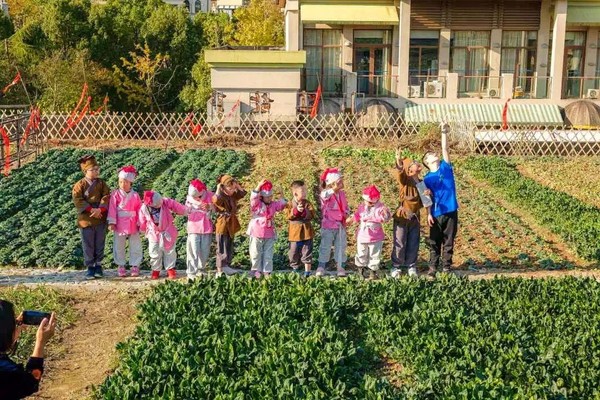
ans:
(449, 49)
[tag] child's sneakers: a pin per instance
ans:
(122, 272)
(306, 274)
(98, 272)
(219, 274)
(155, 275)
(89, 275)
(171, 273)
(396, 273)
(412, 272)
(320, 271)
(341, 272)
(372, 275)
(135, 271)
(257, 274)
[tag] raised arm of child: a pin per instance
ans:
(445, 131)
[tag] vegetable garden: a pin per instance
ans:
(498, 203)
(288, 338)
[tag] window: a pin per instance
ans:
(519, 52)
(469, 59)
(519, 49)
(574, 64)
(423, 59)
(372, 61)
(323, 60)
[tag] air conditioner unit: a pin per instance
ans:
(415, 91)
(493, 92)
(593, 93)
(434, 89)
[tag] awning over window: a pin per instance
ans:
(583, 14)
(349, 14)
(485, 114)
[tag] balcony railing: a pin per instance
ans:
(532, 87)
(372, 85)
(581, 87)
(332, 84)
(479, 86)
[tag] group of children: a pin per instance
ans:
(128, 215)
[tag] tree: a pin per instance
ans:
(116, 28)
(65, 23)
(21, 11)
(216, 30)
(60, 76)
(261, 23)
(145, 88)
(6, 26)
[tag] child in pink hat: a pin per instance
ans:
(261, 228)
(371, 214)
(156, 219)
(199, 228)
(123, 208)
(334, 211)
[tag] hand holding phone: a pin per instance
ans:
(34, 317)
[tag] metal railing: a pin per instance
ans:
(332, 84)
(372, 85)
(532, 87)
(478, 86)
(25, 140)
(581, 87)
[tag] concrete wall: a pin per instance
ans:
(282, 84)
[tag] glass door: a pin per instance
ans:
(573, 64)
(372, 57)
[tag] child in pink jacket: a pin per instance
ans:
(261, 228)
(199, 228)
(123, 209)
(334, 211)
(370, 235)
(156, 219)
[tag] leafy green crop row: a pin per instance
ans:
(37, 217)
(574, 221)
(43, 232)
(287, 338)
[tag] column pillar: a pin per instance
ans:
(403, 47)
(558, 49)
(292, 26)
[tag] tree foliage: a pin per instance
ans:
(48, 37)
(259, 24)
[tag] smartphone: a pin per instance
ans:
(34, 317)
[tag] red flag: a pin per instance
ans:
(103, 106)
(6, 150)
(33, 123)
(76, 109)
(315, 108)
(13, 83)
(505, 116)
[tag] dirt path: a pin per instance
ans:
(106, 316)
